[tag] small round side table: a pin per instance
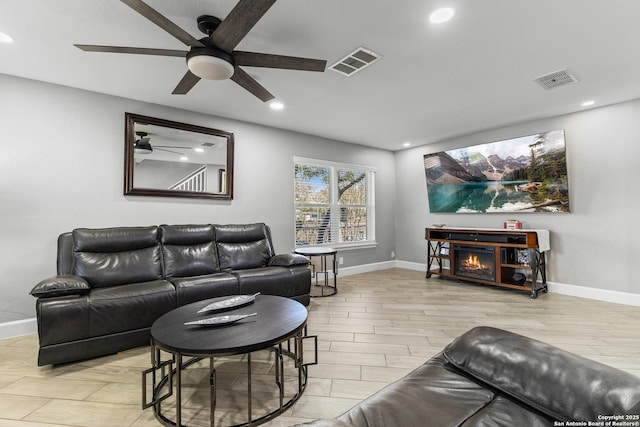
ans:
(327, 257)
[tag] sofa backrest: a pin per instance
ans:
(115, 256)
(243, 245)
(122, 255)
(188, 250)
(562, 385)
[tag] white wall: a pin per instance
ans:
(61, 165)
(62, 159)
(596, 245)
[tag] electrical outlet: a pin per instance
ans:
(393, 254)
(341, 260)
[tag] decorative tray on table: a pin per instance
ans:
(220, 320)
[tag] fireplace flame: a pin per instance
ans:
(473, 262)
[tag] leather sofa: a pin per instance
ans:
(491, 377)
(113, 283)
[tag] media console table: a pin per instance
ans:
(508, 258)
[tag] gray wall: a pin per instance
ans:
(594, 246)
(62, 168)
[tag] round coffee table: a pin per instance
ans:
(278, 320)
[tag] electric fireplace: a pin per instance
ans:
(476, 262)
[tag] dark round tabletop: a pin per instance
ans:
(277, 319)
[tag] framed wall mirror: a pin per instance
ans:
(164, 158)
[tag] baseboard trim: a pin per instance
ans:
(29, 326)
(411, 265)
(604, 295)
(18, 328)
(366, 268)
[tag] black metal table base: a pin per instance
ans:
(166, 374)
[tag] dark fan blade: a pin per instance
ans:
(238, 23)
(162, 22)
(252, 59)
(133, 50)
(188, 81)
(249, 83)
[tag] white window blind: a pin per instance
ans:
(334, 203)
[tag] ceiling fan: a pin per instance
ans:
(213, 57)
(142, 145)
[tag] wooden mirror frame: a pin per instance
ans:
(129, 160)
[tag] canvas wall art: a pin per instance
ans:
(525, 174)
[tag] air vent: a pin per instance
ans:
(558, 78)
(208, 144)
(356, 61)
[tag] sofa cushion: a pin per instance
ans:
(503, 411)
(430, 395)
(60, 286)
(560, 384)
(191, 289)
(243, 246)
(128, 307)
(268, 280)
(114, 239)
(188, 250)
(115, 256)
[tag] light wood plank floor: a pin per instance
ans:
(379, 327)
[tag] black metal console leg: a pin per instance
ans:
(249, 386)
(212, 392)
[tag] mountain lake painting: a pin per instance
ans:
(526, 174)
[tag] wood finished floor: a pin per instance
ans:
(378, 327)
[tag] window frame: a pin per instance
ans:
(334, 206)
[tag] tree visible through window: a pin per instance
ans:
(334, 203)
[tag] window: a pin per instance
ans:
(334, 203)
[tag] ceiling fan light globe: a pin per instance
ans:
(210, 66)
(142, 147)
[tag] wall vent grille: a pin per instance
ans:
(556, 79)
(356, 61)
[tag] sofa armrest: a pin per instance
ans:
(288, 260)
(57, 286)
(560, 384)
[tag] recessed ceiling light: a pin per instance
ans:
(588, 103)
(276, 105)
(441, 15)
(407, 144)
(184, 158)
(199, 150)
(5, 38)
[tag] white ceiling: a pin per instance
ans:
(433, 82)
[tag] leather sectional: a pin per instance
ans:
(113, 283)
(491, 377)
